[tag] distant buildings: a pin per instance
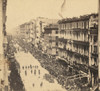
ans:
(28, 30)
(41, 22)
(33, 30)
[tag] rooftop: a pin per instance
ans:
(51, 26)
(74, 19)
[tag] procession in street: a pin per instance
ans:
(33, 75)
(49, 45)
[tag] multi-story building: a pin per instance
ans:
(33, 30)
(22, 31)
(73, 40)
(28, 31)
(51, 39)
(3, 46)
(41, 22)
(93, 50)
(78, 44)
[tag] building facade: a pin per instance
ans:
(73, 40)
(42, 22)
(32, 31)
(78, 44)
(93, 50)
(4, 85)
(51, 39)
(28, 31)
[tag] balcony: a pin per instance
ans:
(51, 27)
(93, 31)
(76, 53)
(63, 40)
(80, 55)
(74, 30)
(81, 43)
(94, 68)
(80, 30)
(94, 54)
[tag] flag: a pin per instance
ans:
(63, 6)
(60, 15)
(63, 9)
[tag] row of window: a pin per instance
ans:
(79, 49)
(80, 24)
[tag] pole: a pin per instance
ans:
(99, 45)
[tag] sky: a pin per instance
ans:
(20, 11)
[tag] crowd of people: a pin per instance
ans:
(56, 69)
(15, 81)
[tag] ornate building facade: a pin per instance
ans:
(78, 44)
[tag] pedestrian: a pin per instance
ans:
(41, 84)
(25, 72)
(23, 67)
(33, 84)
(31, 66)
(31, 71)
(39, 72)
(35, 72)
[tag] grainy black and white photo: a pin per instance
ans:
(49, 45)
